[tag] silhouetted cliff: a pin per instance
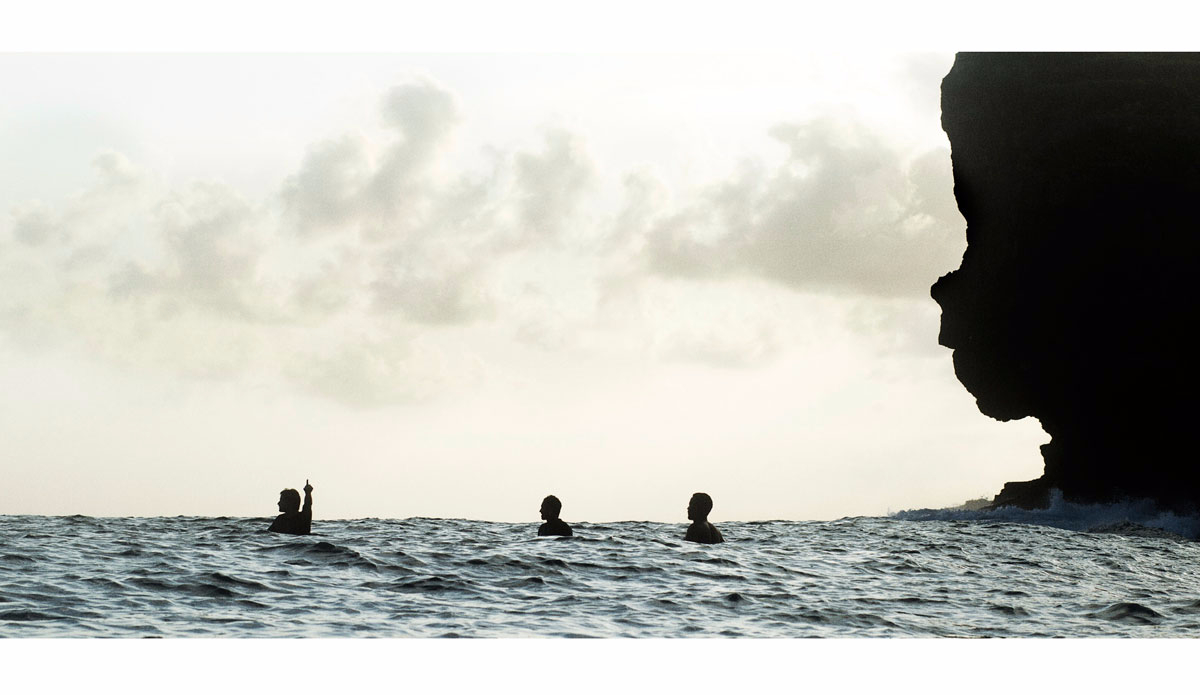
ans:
(1079, 178)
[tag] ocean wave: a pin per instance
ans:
(1129, 612)
(1131, 517)
(976, 574)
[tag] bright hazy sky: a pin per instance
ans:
(449, 284)
(207, 292)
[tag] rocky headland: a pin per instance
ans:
(1079, 178)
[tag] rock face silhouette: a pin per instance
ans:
(1079, 178)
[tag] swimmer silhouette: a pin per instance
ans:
(293, 519)
(554, 526)
(701, 531)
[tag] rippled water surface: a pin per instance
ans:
(861, 577)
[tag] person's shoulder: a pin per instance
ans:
(703, 532)
(290, 522)
(557, 527)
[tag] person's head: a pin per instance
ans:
(699, 507)
(289, 501)
(551, 508)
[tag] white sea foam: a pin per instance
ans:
(1120, 516)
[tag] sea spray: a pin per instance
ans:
(1126, 515)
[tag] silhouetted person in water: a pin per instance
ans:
(294, 519)
(554, 526)
(701, 531)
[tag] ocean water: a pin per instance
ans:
(927, 573)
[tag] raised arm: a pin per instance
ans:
(307, 509)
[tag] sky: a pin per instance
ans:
(448, 284)
(818, 392)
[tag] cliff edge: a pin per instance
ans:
(1079, 178)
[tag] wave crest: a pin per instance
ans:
(1124, 517)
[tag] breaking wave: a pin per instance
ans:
(1132, 517)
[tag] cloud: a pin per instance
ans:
(550, 185)
(431, 238)
(116, 178)
(423, 111)
(370, 277)
(34, 224)
(645, 196)
(210, 252)
(61, 252)
(396, 198)
(897, 326)
(323, 197)
(342, 184)
(117, 187)
(544, 320)
(674, 247)
(720, 345)
(333, 289)
(211, 247)
(440, 286)
(366, 371)
(843, 214)
(200, 281)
